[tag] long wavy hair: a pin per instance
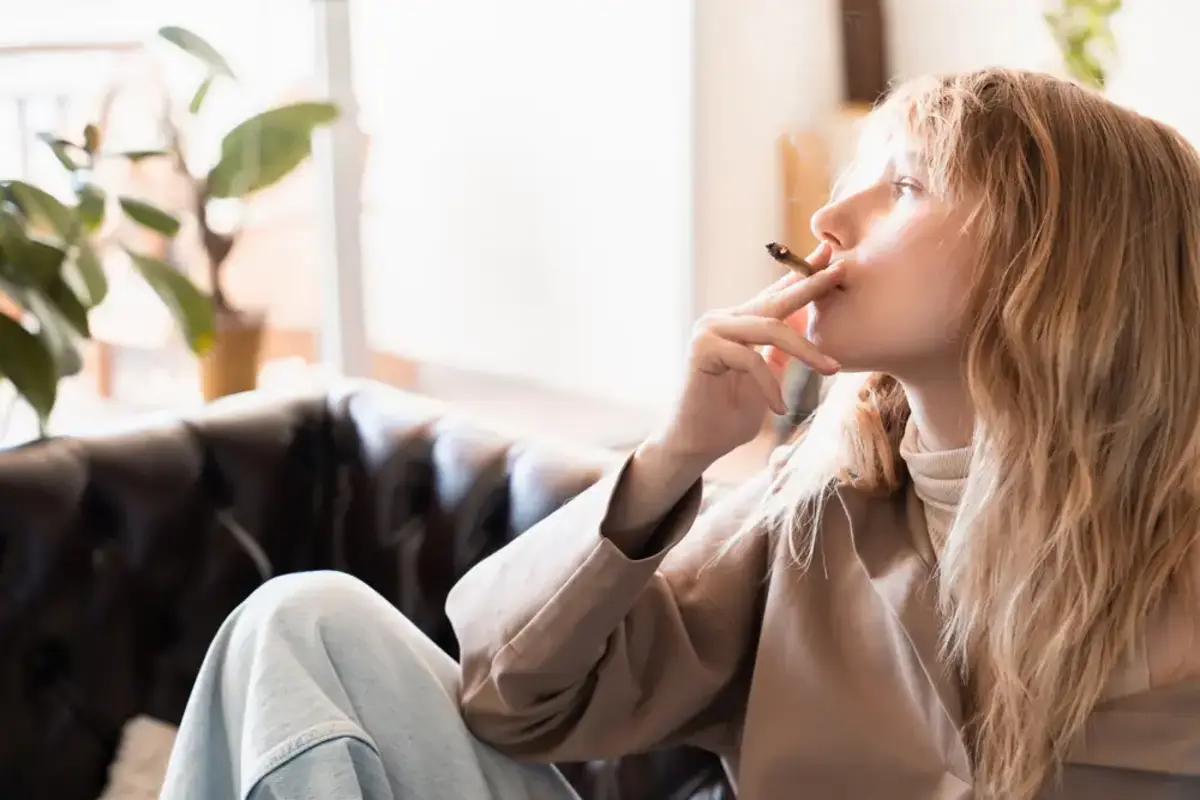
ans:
(1082, 357)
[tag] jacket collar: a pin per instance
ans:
(1152, 730)
(892, 545)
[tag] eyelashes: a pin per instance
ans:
(905, 187)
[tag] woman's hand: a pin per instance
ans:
(735, 359)
(734, 362)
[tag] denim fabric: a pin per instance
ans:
(316, 687)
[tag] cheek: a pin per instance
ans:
(902, 306)
(869, 331)
(929, 296)
(920, 285)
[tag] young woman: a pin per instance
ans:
(975, 576)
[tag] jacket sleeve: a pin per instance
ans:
(1143, 739)
(1154, 733)
(573, 651)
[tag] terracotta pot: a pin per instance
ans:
(232, 365)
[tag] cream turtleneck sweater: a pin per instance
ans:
(938, 478)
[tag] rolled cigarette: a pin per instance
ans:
(792, 261)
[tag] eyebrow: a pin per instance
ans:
(913, 157)
(913, 161)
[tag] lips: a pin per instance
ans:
(841, 287)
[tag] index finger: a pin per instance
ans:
(818, 259)
(793, 297)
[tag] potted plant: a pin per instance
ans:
(255, 154)
(1082, 30)
(51, 276)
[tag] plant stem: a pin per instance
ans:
(216, 247)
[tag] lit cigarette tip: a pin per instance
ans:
(785, 256)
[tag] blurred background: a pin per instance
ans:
(523, 204)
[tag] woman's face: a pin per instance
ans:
(908, 258)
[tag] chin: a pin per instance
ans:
(823, 331)
(843, 342)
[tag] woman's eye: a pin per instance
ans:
(904, 187)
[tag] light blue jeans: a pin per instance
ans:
(317, 687)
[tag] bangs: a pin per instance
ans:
(935, 121)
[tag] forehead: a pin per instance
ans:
(882, 153)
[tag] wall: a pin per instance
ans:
(1156, 71)
(763, 68)
(482, 189)
(529, 187)
(556, 189)
(1159, 74)
(948, 35)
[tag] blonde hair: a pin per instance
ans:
(1082, 358)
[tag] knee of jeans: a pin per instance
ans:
(337, 610)
(305, 598)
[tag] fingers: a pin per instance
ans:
(798, 321)
(777, 360)
(759, 337)
(759, 331)
(778, 286)
(819, 258)
(732, 355)
(791, 297)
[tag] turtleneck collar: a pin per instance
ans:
(939, 478)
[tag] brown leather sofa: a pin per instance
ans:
(120, 556)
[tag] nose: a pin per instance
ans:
(833, 223)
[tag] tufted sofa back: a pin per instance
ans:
(121, 555)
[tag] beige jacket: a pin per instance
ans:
(823, 684)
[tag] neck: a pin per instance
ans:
(941, 410)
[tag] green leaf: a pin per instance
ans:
(40, 205)
(265, 148)
(198, 48)
(26, 362)
(12, 240)
(138, 155)
(29, 262)
(150, 217)
(201, 93)
(1083, 33)
(68, 305)
(62, 151)
(192, 309)
(85, 276)
(91, 207)
(42, 261)
(11, 231)
(56, 333)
